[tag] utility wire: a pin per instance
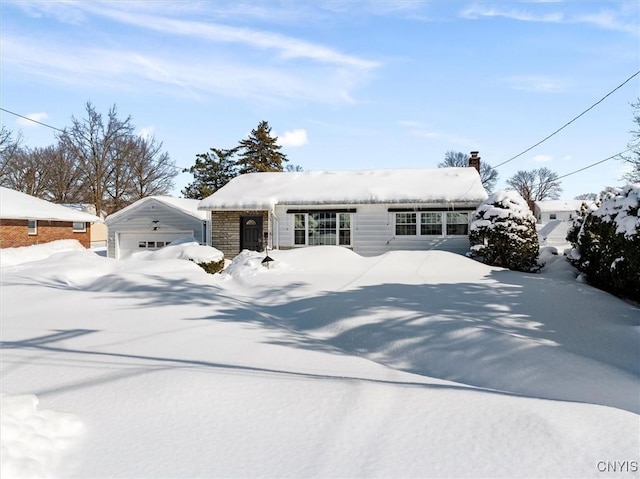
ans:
(571, 121)
(31, 119)
(594, 164)
(617, 155)
(180, 169)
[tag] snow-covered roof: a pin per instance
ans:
(20, 206)
(185, 205)
(560, 205)
(265, 190)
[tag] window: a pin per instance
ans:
(431, 223)
(322, 228)
(32, 227)
(300, 229)
(152, 244)
(405, 224)
(79, 227)
(344, 231)
(457, 223)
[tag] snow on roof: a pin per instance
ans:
(265, 190)
(560, 205)
(185, 205)
(20, 206)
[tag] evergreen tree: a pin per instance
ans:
(503, 233)
(606, 242)
(260, 151)
(212, 171)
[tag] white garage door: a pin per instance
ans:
(129, 243)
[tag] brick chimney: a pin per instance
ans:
(474, 161)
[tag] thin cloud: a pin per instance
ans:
(478, 11)
(186, 76)
(146, 132)
(265, 66)
(537, 83)
(287, 47)
(543, 158)
(32, 119)
(420, 130)
(293, 138)
(609, 19)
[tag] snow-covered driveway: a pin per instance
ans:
(326, 365)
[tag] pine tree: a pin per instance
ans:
(212, 171)
(260, 151)
(503, 233)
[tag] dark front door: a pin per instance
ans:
(251, 233)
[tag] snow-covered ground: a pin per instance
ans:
(327, 364)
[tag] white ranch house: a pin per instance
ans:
(370, 212)
(154, 222)
(564, 210)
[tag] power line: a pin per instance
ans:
(572, 120)
(537, 185)
(180, 169)
(31, 119)
(594, 164)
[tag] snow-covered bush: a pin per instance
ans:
(211, 267)
(207, 257)
(578, 221)
(503, 232)
(607, 245)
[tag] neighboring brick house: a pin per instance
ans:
(26, 220)
(370, 212)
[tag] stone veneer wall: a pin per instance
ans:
(225, 229)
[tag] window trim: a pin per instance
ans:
(306, 225)
(444, 221)
(77, 230)
(32, 231)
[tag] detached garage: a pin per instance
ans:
(154, 222)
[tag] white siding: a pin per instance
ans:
(150, 215)
(545, 216)
(373, 231)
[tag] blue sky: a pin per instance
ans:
(343, 84)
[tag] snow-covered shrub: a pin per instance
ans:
(503, 232)
(578, 220)
(207, 257)
(211, 267)
(607, 245)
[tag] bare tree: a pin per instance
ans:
(10, 146)
(586, 197)
(117, 166)
(64, 182)
(95, 146)
(28, 171)
(633, 159)
(488, 174)
(536, 185)
(151, 169)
